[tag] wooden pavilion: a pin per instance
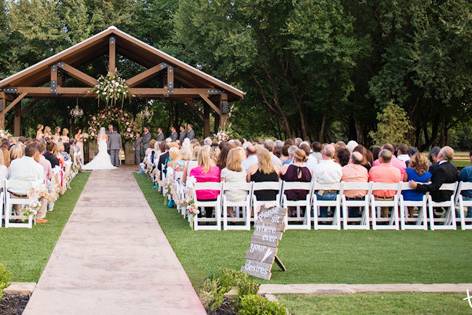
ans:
(178, 80)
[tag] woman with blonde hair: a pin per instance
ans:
(16, 152)
(65, 135)
(205, 172)
(47, 133)
(235, 173)
(57, 134)
(418, 172)
(3, 168)
(192, 163)
(264, 171)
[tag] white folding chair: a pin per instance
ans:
(363, 222)
(391, 222)
(12, 199)
(242, 209)
(418, 223)
(466, 223)
(298, 222)
(449, 219)
(323, 223)
(2, 203)
(203, 204)
(257, 204)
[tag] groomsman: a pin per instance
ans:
(160, 135)
(173, 134)
(145, 140)
(182, 134)
(190, 132)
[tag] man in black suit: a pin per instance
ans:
(163, 159)
(443, 173)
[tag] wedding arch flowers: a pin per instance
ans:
(111, 88)
(119, 118)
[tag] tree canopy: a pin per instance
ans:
(319, 69)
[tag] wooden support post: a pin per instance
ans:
(224, 108)
(216, 125)
(170, 80)
(112, 55)
(17, 121)
(206, 120)
(3, 105)
(53, 83)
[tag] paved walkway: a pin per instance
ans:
(113, 258)
(316, 289)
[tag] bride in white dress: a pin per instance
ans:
(102, 160)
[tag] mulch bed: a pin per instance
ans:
(13, 304)
(226, 308)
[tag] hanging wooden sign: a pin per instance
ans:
(262, 252)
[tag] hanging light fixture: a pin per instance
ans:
(76, 112)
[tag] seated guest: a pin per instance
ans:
(222, 157)
(342, 156)
(285, 156)
(234, 173)
(193, 162)
(402, 153)
(466, 176)
(270, 145)
(316, 147)
(43, 162)
(251, 157)
(6, 152)
(433, 157)
(264, 171)
(3, 168)
(418, 172)
(354, 172)
(385, 172)
(50, 155)
(445, 172)
(175, 161)
(163, 158)
(205, 172)
(394, 160)
(327, 172)
(26, 173)
(16, 152)
(296, 172)
(367, 158)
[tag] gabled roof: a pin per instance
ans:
(127, 46)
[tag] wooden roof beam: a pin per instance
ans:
(77, 74)
(112, 55)
(15, 102)
(211, 104)
(145, 75)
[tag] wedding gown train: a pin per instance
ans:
(101, 161)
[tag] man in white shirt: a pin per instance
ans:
(327, 171)
(26, 173)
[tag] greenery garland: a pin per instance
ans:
(111, 88)
(119, 118)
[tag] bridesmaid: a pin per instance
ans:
(79, 139)
(47, 133)
(57, 135)
(39, 132)
(65, 135)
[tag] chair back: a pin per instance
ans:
(227, 186)
(296, 186)
(449, 186)
(464, 186)
(333, 186)
(355, 186)
(266, 186)
(385, 186)
(405, 186)
(207, 186)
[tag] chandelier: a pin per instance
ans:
(77, 112)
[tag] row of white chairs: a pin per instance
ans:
(369, 206)
(9, 201)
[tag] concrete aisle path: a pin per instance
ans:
(113, 258)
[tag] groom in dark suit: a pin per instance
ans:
(114, 145)
(444, 172)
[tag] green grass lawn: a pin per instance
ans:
(392, 303)
(461, 163)
(25, 252)
(323, 256)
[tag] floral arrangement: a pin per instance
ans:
(192, 212)
(111, 115)
(111, 88)
(221, 136)
(4, 134)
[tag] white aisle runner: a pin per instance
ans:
(113, 258)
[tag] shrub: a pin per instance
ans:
(253, 304)
(4, 278)
(217, 285)
(393, 126)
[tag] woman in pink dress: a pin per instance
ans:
(205, 172)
